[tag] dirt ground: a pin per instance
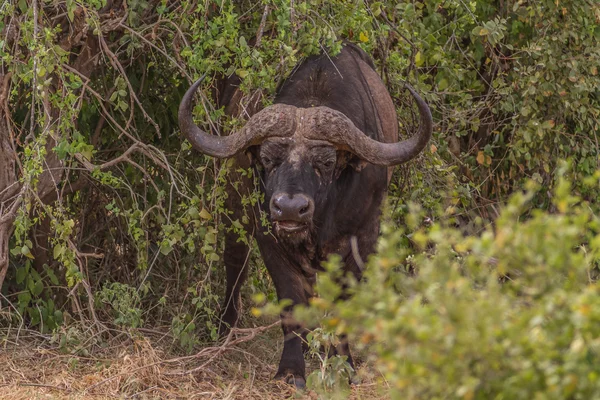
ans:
(35, 366)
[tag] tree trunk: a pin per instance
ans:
(6, 229)
(9, 185)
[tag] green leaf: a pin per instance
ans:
(58, 251)
(166, 247)
(210, 238)
(419, 59)
(23, 6)
(237, 224)
(26, 252)
(70, 9)
(193, 212)
(204, 214)
(38, 287)
(24, 299)
(443, 84)
(21, 274)
(52, 276)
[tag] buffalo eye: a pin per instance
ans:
(269, 163)
(328, 164)
(322, 167)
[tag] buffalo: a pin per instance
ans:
(323, 153)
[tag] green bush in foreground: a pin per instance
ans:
(511, 314)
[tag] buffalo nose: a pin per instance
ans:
(297, 207)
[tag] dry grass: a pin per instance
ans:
(33, 366)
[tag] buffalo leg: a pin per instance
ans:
(236, 253)
(236, 268)
(366, 245)
(290, 285)
(292, 365)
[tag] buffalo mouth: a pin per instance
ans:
(290, 227)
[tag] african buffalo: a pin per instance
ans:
(323, 152)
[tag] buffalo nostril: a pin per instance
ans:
(297, 207)
(306, 209)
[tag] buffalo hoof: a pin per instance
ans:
(298, 381)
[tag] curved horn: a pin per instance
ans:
(339, 130)
(275, 120)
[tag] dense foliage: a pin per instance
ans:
(107, 216)
(511, 313)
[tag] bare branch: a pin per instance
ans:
(117, 65)
(183, 71)
(261, 28)
(211, 352)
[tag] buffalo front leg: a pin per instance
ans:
(358, 248)
(290, 285)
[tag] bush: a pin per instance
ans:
(511, 314)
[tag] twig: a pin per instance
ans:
(395, 28)
(413, 47)
(8, 215)
(227, 345)
(123, 157)
(215, 351)
(261, 27)
(34, 81)
(164, 53)
(117, 65)
(144, 148)
(24, 384)
(85, 255)
(135, 395)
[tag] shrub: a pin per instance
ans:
(511, 314)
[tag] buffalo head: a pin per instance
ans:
(300, 153)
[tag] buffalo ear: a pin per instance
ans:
(252, 154)
(358, 164)
(250, 157)
(341, 162)
(346, 159)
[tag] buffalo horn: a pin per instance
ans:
(339, 130)
(275, 120)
